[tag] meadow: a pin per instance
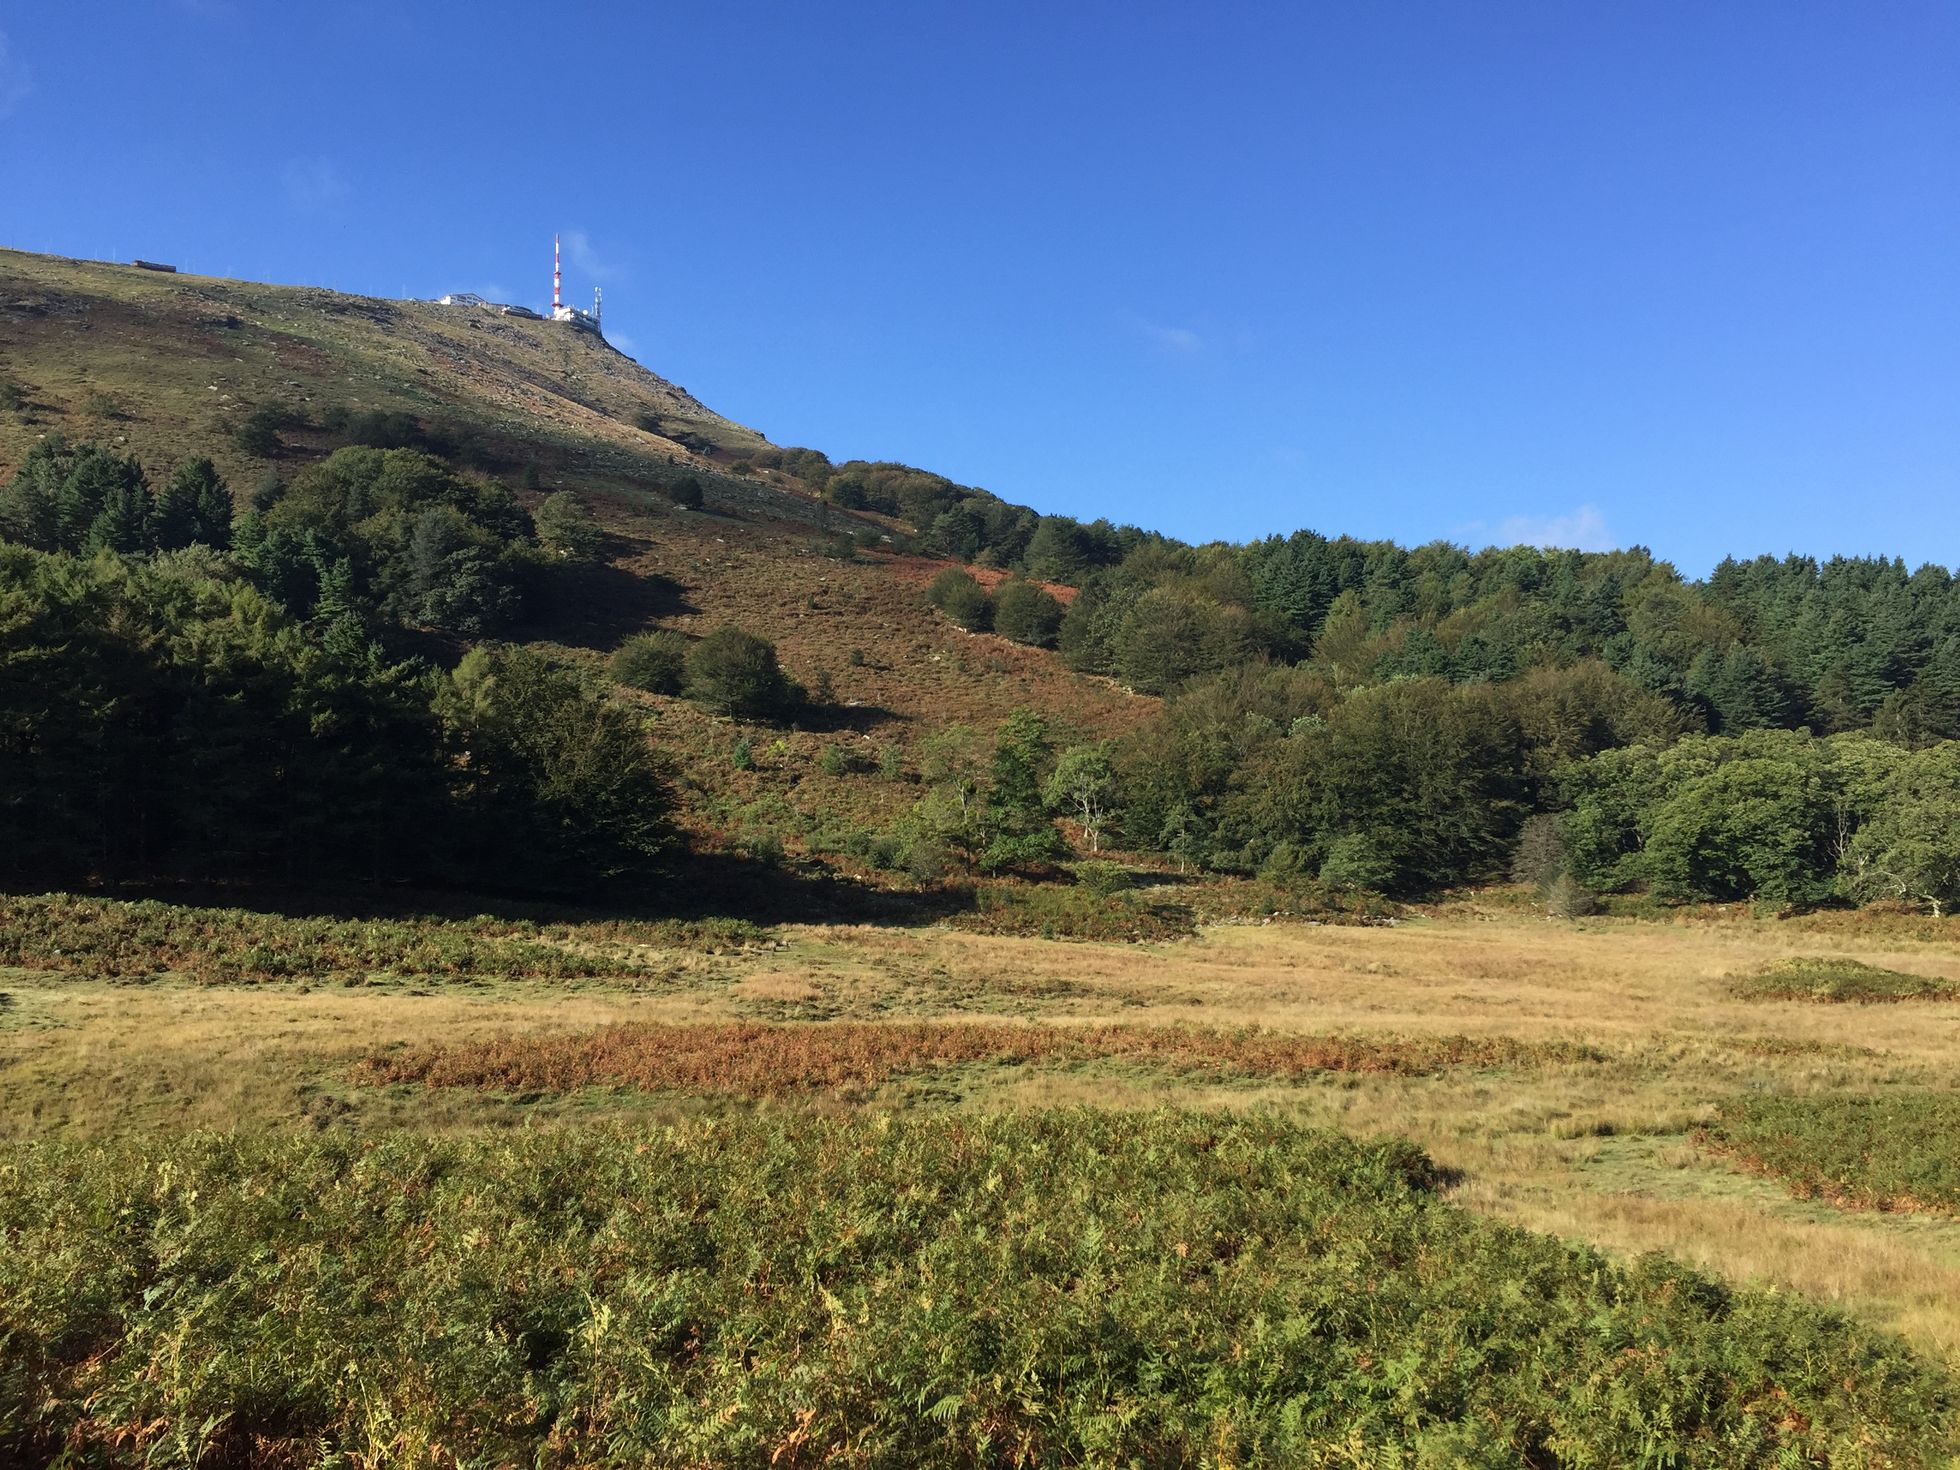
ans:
(1469, 1187)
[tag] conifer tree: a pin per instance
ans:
(194, 508)
(123, 523)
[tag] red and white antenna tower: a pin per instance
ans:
(555, 303)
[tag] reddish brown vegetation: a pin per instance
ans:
(759, 1060)
(920, 570)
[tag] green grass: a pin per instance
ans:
(1890, 1151)
(1070, 911)
(118, 939)
(788, 1289)
(1835, 981)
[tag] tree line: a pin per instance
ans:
(187, 695)
(1576, 780)
(1791, 642)
(189, 692)
(1361, 713)
(1576, 774)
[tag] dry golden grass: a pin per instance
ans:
(1601, 1151)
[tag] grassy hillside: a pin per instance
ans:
(167, 367)
(180, 355)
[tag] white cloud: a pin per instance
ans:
(1177, 339)
(1180, 341)
(16, 81)
(623, 342)
(578, 245)
(1582, 529)
(314, 184)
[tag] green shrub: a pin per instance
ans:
(1026, 613)
(736, 673)
(1059, 911)
(1102, 878)
(1052, 1288)
(1356, 860)
(119, 939)
(566, 528)
(655, 662)
(1887, 1151)
(258, 435)
(686, 493)
(957, 594)
(1834, 980)
(1222, 899)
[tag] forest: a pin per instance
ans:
(310, 688)
(1374, 716)
(188, 695)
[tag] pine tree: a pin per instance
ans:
(94, 477)
(214, 509)
(193, 509)
(29, 505)
(123, 523)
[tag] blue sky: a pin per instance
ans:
(1681, 274)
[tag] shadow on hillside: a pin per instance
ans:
(704, 886)
(599, 607)
(726, 885)
(833, 719)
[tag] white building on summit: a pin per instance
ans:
(571, 316)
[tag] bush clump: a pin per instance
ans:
(1833, 980)
(1026, 613)
(566, 528)
(655, 662)
(1073, 911)
(735, 673)
(124, 939)
(959, 595)
(1102, 877)
(1890, 1151)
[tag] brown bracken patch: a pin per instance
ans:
(753, 1059)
